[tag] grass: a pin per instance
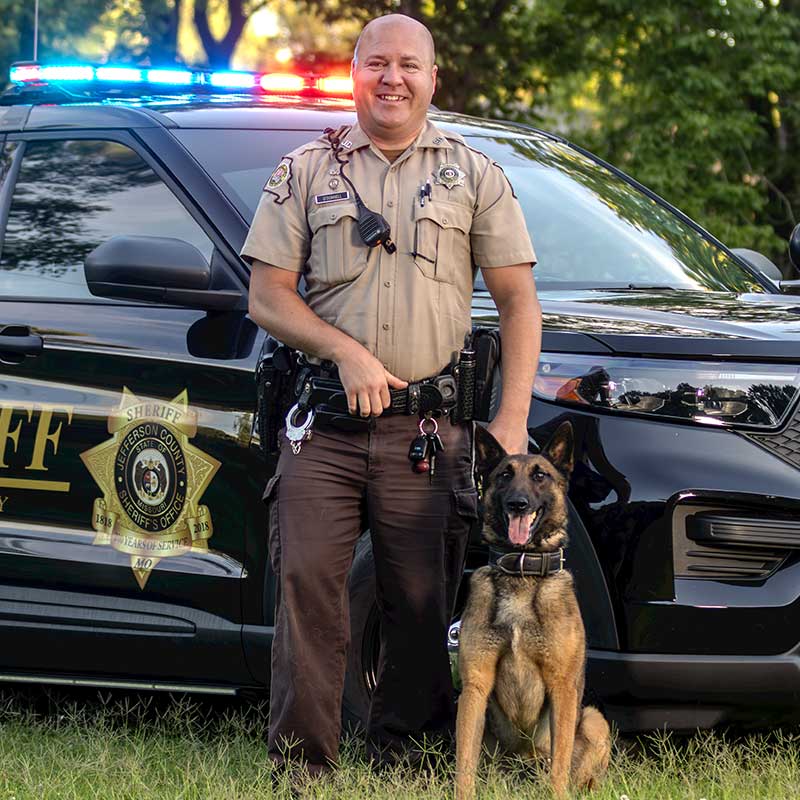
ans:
(81, 745)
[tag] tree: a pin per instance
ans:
(698, 100)
(61, 27)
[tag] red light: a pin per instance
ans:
(283, 82)
(25, 72)
(336, 84)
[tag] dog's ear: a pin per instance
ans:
(488, 451)
(559, 448)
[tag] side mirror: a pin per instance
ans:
(760, 263)
(156, 269)
(794, 247)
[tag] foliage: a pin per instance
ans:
(62, 26)
(698, 100)
(116, 746)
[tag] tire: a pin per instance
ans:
(365, 628)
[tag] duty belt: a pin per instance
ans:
(321, 397)
(326, 395)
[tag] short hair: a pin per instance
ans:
(428, 36)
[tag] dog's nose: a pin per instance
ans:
(517, 505)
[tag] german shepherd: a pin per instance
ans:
(522, 646)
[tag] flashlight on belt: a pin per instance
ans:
(465, 398)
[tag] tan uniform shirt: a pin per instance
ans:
(412, 308)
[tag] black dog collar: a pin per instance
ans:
(526, 565)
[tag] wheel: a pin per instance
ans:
(365, 638)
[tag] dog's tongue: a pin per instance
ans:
(519, 528)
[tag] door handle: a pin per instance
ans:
(16, 342)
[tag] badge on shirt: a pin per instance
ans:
(278, 184)
(449, 175)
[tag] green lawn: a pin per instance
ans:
(114, 745)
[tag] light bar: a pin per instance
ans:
(195, 80)
(336, 84)
(176, 77)
(67, 73)
(125, 74)
(24, 73)
(232, 80)
(282, 82)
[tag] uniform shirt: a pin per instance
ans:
(411, 309)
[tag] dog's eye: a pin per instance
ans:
(539, 476)
(506, 474)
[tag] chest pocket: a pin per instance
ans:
(441, 239)
(337, 252)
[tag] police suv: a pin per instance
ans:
(133, 546)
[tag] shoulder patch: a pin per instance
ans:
(279, 183)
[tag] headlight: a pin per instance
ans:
(754, 395)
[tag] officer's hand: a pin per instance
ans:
(511, 434)
(366, 383)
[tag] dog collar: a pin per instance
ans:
(526, 565)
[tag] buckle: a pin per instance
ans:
(521, 565)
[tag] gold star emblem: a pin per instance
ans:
(449, 175)
(152, 480)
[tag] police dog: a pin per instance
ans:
(522, 646)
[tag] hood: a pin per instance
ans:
(670, 322)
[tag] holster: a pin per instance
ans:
(274, 393)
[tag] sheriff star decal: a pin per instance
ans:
(152, 480)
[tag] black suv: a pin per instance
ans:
(132, 533)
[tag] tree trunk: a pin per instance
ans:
(219, 51)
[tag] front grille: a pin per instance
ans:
(720, 563)
(784, 444)
(718, 544)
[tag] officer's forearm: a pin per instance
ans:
(521, 333)
(287, 317)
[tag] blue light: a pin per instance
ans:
(124, 74)
(179, 77)
(71, 73)
(233, 80)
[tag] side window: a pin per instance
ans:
(71, 196)
(6, 154)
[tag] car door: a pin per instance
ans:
(127, 480)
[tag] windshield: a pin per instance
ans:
(589, 227)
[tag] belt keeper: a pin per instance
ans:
(414, 392)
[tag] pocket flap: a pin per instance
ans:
(466, 502)
(330, 215)
(445, 215)
(269, 490)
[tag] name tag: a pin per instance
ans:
(321, 199)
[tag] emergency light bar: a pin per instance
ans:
(106, 77)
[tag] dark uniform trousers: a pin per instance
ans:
(318, 503)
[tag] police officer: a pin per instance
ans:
(385, 316)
